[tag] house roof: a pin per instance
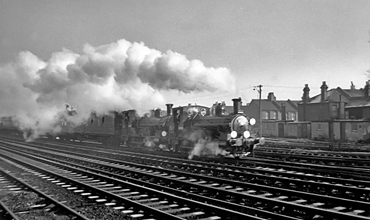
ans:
(276, 104)
(348, 93)
(317, 98)
(355, 103)
(356, 97)
(354, 93)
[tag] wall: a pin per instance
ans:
(291, 130)
(354, 135)
(322, 133)
(355, 113)
(366, 112)
(314, 112)
(336, 130)
(251, 110)
(270, 129)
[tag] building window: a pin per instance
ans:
(272, 115)
(291, 116)
(354, 127)
(265, 115)
(319, 127)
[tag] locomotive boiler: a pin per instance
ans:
(229, 132)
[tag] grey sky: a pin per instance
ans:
(279, 44)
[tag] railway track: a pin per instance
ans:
(34, 203)
(307, 144)
(261, 163)
(281, 154)
(136, 200)
(360, 159)
(286, 202)
(321, 157)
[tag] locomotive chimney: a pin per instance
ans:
(218, 109)
(237, 102)
(157, 113)
(169, 109)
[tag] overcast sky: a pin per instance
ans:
(281, 45)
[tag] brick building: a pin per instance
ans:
(335, 104)
(273, 109)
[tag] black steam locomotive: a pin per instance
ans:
(193, 128)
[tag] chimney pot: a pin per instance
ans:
(271, 97)
(352, 86)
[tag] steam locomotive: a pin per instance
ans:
(185, 128)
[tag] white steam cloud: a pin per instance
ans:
(117, 76)
(206, 148)
(203, 145)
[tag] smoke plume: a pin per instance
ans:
(118, 76)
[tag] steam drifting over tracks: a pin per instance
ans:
(285, 200)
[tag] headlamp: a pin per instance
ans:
(234, 134)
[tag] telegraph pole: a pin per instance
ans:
(259, 90)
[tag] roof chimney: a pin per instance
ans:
(367, 89)
(352, 86)
(306, 93)
(271, 97)
(324, 91)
